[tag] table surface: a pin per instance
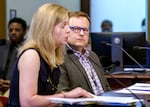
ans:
(118, 81)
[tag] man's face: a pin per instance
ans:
(79, 32)
(16, 32)
(106, 28)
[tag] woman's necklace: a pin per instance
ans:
(54, 88)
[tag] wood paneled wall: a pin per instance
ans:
(2, 19)
(85, 6)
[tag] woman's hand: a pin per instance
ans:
(78, 92)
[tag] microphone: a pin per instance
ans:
(113, 65)
(119, 82)
(139, 48)
(109, 44)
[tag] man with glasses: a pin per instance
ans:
(81, 67)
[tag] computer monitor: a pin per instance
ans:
(103, 52)
(129, 39)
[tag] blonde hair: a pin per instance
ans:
(41, 33)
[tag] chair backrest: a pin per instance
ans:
(3, 101)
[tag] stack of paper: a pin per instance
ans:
(96, 99)
(140, 88)
(137, 88)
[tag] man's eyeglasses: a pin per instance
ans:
(77, 29)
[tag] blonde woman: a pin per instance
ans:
(35, 74)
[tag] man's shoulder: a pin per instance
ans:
(4, 48)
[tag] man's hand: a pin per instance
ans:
(4, 85)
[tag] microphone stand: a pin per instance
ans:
(123, 85)
(118, 81)
(127, 55)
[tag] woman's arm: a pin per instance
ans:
(29, 66)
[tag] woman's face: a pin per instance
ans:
(60, 33)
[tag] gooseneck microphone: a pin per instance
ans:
(109, 44)
(122, 84)
(139, 48)
(114, 64)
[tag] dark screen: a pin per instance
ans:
(130, 39)
(103, 52)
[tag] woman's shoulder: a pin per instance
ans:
(29, 53)
(29, 59)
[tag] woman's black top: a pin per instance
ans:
(47, 82)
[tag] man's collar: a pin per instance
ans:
(86, 52)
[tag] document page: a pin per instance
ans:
(137, 88)
(96, 99)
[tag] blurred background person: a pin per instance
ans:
(106, 26)
(17, 28)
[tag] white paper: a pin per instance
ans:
(96, 99)
(136, 69)
(137, 88)
(72, 100)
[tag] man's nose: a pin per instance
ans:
(13, 32)
(81, 32)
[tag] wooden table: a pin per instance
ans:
(117, 81)
(3, 101)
